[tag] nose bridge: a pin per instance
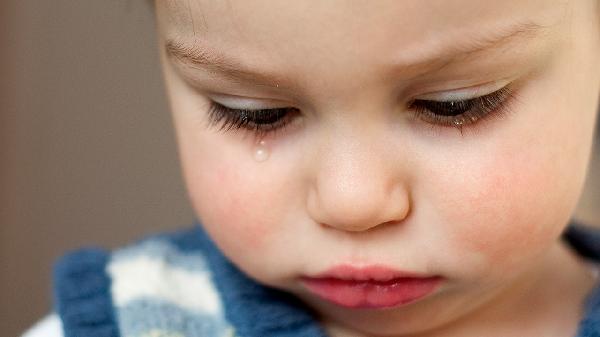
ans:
(354, 188)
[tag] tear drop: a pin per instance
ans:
(261, 152)
(459, 121)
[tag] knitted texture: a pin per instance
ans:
(160, 290)
(590, 325)
(82, 294)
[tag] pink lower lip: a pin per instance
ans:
(361, 292)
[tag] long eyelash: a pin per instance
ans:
(272, 119)
(264, 122)
(495, 104)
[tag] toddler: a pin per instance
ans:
(364, 168)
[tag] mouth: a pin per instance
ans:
(370, 287)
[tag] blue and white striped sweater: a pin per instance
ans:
(155, 279)
(180, 285)
(171, 285)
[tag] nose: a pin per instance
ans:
(356, 187)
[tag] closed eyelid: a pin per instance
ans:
(465, 93)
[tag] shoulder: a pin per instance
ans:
(590, 324)
(170, 268)
(93, 266)
(50, 326)
(131, 289)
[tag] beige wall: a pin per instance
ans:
(88, 155)
(86, 148)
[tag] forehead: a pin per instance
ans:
(315, 37)
(403, 23)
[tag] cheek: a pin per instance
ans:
(230, 205)
(511, 211)
(241, 203)
(511, 208)
(517, 186)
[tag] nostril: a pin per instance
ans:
(384, 225)
(360, 227)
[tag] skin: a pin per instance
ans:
(354, 179)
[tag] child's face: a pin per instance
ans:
(356, 176)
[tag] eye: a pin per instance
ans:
(260, 121)
(461, 113)
(457, 113)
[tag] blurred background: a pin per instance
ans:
(87, 154)
(87, 151)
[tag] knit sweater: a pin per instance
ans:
(179, 284)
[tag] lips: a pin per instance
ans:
(370, 287)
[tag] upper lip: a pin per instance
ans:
(376, 273)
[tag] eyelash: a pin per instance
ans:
(474, 110)
(263, 122)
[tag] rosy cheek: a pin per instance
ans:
(234, 217)
(506, 212)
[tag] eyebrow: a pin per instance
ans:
(198, 56)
